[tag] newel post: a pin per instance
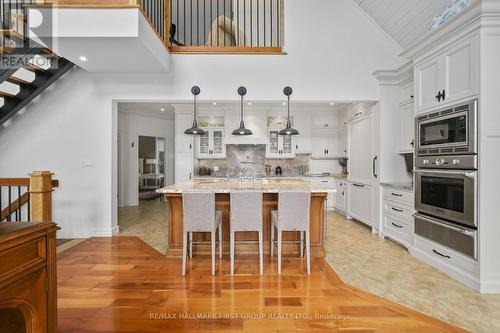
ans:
(41, 196)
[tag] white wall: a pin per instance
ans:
(332, 51)
(130, 127)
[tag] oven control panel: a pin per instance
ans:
(460, 162)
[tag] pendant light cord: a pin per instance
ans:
(241, 108)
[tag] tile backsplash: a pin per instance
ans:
(253, 158)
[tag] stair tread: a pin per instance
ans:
(10, 33)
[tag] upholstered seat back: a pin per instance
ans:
(246, 211)
(199, 211)
(294, 210)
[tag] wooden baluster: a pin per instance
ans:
(41, 196)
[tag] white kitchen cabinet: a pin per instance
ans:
(257, 123)
(211, 145)
(360, 164)
(325, 122)
(407, 92)
(183, 166)
(326, 143)
(360, 203)
(327, 182)
(449, 76)
(340, 201)
(303, 141)
(183, 142)
(279, 146)
(407, 128)
(343, 141)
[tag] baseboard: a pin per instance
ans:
(490, 287)
(106, 232)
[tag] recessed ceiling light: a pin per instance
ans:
(214, 103)
(249, 103)
(284, 103)
(162, 110)
(332, 104)
(83, 58)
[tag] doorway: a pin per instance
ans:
(151, 167)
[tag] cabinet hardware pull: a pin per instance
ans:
(297, 147)
(190, 146)
(374, 166)
(440, 254)
(438, 96)
(412, 143)
(397, 210)
(342, 192)
(358, 185)
(396, 194)
(443, 95)
(397, 225)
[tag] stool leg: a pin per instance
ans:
(280, 233)
(272, 240)
(213, 251)
(190, 245)
(232, 235)
(301, 244)
(220, 241)
(184, 251)
(308, 252)
(261, 253)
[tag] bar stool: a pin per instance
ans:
(293, 214)
(246, 215)
(200, 216)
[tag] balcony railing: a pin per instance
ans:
(229, 26)
(206, 26)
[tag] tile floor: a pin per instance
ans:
(365, 261)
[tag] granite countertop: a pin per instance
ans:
(265, 185)
(399, 185)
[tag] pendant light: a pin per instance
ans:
(288, 130)
(242, 91)
(195, 130)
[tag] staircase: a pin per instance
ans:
(26, 69)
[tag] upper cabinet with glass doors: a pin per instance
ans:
(279, 146)
(211, 144)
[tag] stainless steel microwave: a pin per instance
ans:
(447, 131)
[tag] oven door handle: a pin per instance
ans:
(466, 232)
(447, 172)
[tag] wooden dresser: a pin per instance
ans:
(28, 277)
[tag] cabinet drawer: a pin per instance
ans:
(22, 257)
(445, 255)
(405, 197)
(397, 209)
(398, 229)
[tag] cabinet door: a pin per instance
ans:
(286, 145)
(360, 202)
(428, 78)
(273, 144)
(217, 143)
(183, 142)
(461, 70)
(407, 128)
(360, 157)
(332, 143)
(303, 141)
(204, 145)
(183, 166)
(325, 122)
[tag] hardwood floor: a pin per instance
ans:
(121, 284)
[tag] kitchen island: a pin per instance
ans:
(270, 188)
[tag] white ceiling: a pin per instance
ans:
(404, 21)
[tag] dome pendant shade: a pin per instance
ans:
(242, 91)
(288, 130)
(242, 130)
(195, 130)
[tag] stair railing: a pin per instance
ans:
(27, 199)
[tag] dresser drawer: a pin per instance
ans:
(398, 229)
(445, 255)
(398, 209)
(399, 195)
(22, 257)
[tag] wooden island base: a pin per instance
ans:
(270, 202)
